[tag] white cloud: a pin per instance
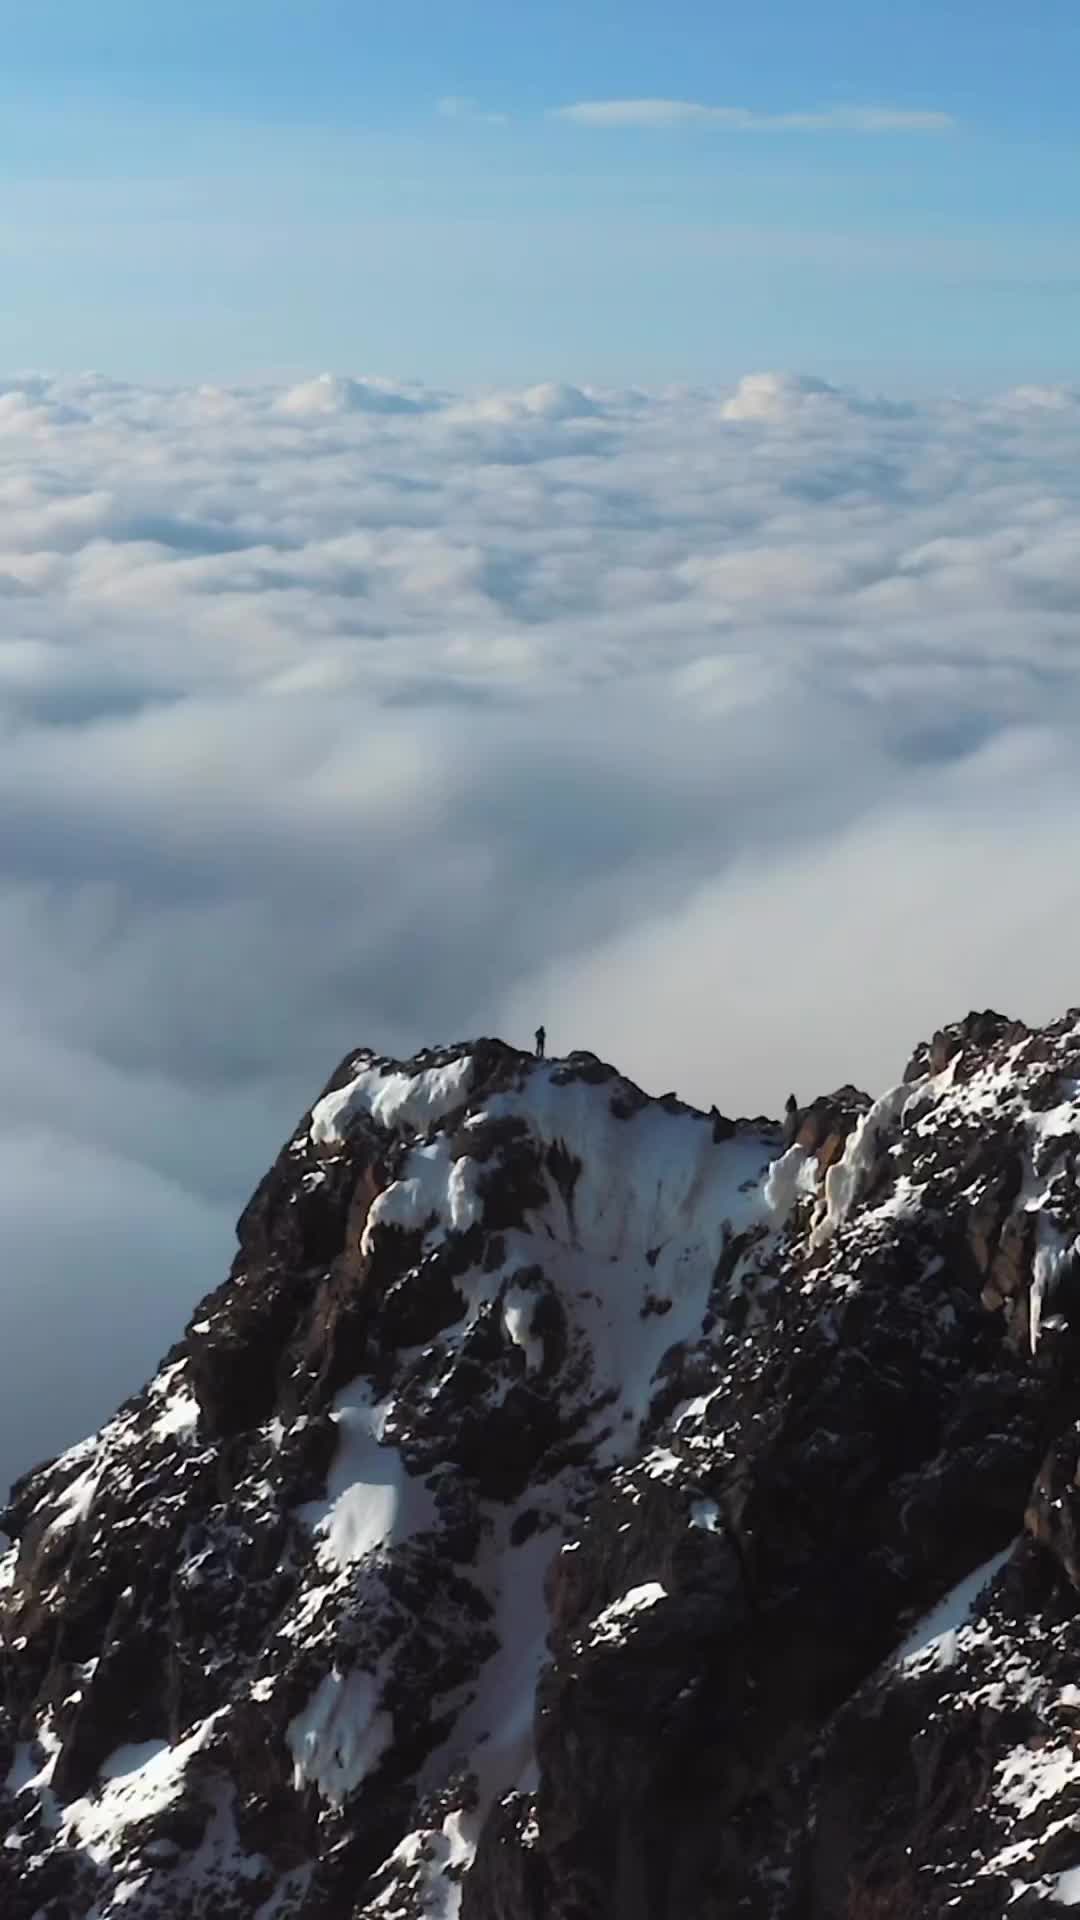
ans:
(771, 396)
(456, 106)
(732, 733)
(677, 113)
(549, 400)
(1056, 399)
(893, 926)
(337, 393)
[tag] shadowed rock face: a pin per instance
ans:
(574, 1507)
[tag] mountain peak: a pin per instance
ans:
(548, 1517)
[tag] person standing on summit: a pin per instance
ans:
(541, 1042)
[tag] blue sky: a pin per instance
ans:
(257, 187)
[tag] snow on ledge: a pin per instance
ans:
(934, 1640)
(434, 1187)
(178, 1408)
(611, 1625)
(371, 1501)
(791, 1177)
(846, 1177)
(75, 1501)
(418, 1101)
(1027, 1776)
(137, 1783)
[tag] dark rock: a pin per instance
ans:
(542, 1518)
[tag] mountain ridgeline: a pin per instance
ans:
(577, 1507)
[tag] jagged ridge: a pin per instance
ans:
(539, 1519)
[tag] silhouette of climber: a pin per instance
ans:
(541, 1042)
(791, 1120)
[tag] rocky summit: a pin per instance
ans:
(577, 1507)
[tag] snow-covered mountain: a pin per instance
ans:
(577, 1507)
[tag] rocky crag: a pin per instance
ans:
(576, 1507)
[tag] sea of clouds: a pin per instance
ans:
(734, 734)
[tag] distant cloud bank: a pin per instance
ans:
(732, 733)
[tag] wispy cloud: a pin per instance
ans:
(673, 113)
(456, 106)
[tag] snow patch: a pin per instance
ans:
(371, 1498)
(1028, 1776)
(661, 1464)
(845, 1180)
(933, 1643)
(518, 1308)
(610, 1626)
(340, 1736)
(495, 1728)
(75, 1501)
(26, 1771)
(179, 1407)
(787, 1180)
(438, 1857)
(633, 1230)
(393, 1100)
(434, 1186)
(139, 1782)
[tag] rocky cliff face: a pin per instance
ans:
(575, 1507)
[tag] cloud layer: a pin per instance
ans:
(681, 113)
(732, 733)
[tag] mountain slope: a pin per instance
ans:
(573, 1505)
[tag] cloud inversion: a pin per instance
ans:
(733, 734)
